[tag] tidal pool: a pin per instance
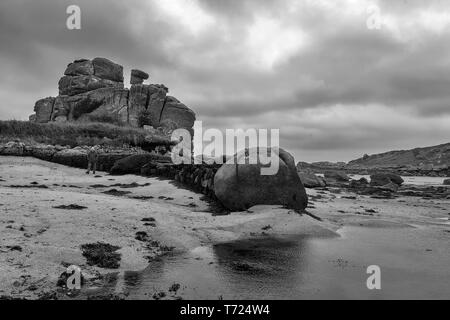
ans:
(303, 268)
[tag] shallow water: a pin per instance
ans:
(416, 180)
(421, 181)
(303, 268)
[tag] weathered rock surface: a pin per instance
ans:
(176, 113)
(241, 186)
(93, 90)
(104, 105)
(61, 108)
(157, 96)
(72, 85)
(82, 67)
(446, 182)
(138, 103)
(44, 109)
(106, 69)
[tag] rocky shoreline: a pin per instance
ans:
(366, 170)
(200, 178)
(67, 213)
(73, 157)
(289, 190)
(384, 185)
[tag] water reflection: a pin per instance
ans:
(301, 268)
(261, 264)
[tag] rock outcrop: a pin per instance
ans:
(310, 180)
(446, 182)
(93, 90)
(433, 161)
(134, 163)
(336, 176)
(357, 184)
(44, 109)
(74, 157)
(241, 186)
(381, 179)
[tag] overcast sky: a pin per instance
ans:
(334, 87)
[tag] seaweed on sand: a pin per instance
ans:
(102, 255)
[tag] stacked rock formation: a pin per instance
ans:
(138, 76)
(93, 90)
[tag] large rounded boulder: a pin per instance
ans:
(240, 185)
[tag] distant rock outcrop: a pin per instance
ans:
(93, 90)
(434, 159)
(310, 180)
(381, 179)
(431, 161)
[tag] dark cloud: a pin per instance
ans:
(311, 68)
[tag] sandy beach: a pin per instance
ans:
(39, 238)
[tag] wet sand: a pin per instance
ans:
(408, 237)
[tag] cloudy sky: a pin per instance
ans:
(338, 78)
